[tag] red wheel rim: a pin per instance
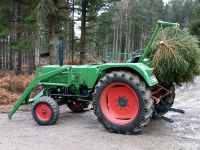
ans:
(43, 112)
(119, 103)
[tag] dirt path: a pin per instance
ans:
(83, 132)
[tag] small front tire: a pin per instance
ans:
(45, 111)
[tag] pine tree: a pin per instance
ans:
(195, 27)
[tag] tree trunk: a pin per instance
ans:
(127, 34)
(1, 58)
(53, 40)
(3, 48)
(17, 56)
(114, 40)
(11, 55)
(72, 47)
(31, 61)
(7, 53)
(83, 32)
(31, 55)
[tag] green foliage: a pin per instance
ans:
(195, 21)
(180, 11)
(175, 56)
(31, 18)
(4, 31)
(104, 26)
(20, 44)
(46, 8)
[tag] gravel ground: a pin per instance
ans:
(82, 131)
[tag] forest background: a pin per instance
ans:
(91, 29)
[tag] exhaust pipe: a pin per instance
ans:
(61, 50)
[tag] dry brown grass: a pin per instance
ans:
(12, 86)
(69, 62)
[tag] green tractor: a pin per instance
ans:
(125, 96)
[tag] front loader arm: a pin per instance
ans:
(36, 82)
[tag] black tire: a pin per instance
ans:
(167, 102)
(145, 102)
(77, 108)
(53, 108)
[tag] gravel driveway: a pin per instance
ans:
(83, 132)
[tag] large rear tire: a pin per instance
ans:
(45, 111)
(122, 102)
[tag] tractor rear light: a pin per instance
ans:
(154, 79)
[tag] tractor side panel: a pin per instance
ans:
(62, 77)
(85, 75)
(78, 75)
(89, 74)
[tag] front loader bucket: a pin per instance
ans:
(36, 82)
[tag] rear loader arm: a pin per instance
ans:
(33, 85)
(160, 25)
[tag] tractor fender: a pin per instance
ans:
(140, 69)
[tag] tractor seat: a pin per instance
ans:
(134, 59)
